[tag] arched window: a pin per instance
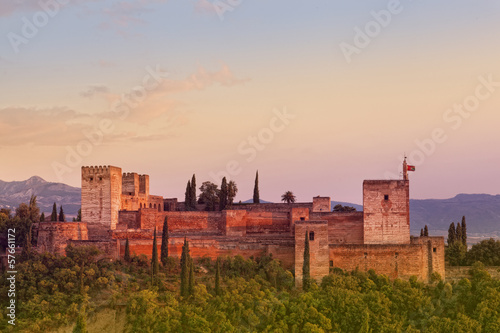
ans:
(150, 205)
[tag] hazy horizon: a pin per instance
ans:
(317, 96)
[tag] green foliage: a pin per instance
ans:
(154, 258)
(256, 195)
(81, 322)
(191, 278)
(486, 252)
(42, 217)
(164, 242)
(223, 193)
(455, 254)
(79, 215)
(53, 217)
(185, 269)
(458, 232)
(232, 190)
(464, 231)
(217, 278)
(209, 196)
(62, 218)
(426, 231)
(126, 256)
(306, 267)
(340, 208)
(187, 196)
(192, 195)
(451, 234)
(288, 197)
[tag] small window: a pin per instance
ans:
(100, 178)
(91, 178)
(331, 263)
(396, 254)
(434, 250)
(386, 197)
(311, 235)
(302, 218)
(366, 255)
(129, 193)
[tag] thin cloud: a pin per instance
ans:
(93, 90)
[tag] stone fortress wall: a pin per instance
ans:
(117, 206)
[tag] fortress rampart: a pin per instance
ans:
(117, 206)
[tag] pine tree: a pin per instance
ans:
(256, 197)
(79, 215)
(191, 277)
(306, 267)
(185, 269)
(426, 231)
(187, 196)
(164, 242)
(126, 256)
(62, 218)
(223, 194)
(458, 233)
(193, 192)
(464, 231)
(154, 257)
(42, 217)
(421, 232)
(81, 322)
(217, 278)
(53, 217)
(451, 234)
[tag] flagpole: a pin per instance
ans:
(405, 169)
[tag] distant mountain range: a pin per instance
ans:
(14, 193)
(482, 211)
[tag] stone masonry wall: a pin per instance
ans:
(343, 227)
(386, 212)
(318, 249)
(322, 204)
(53, 236)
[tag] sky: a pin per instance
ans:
(315, 95)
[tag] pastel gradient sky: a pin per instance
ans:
(224, 77)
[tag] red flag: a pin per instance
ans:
(411, 168)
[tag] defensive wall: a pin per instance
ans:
(117, 206)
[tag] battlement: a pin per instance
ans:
(101, 169)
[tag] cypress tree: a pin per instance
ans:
(164, 242)
(256, 196)
(126, 256)
(191, 277)
(306, 267)
(154, 259)
(458, 233)
(421, 232)
(223, 194)
(426, 231)
(81, 322)
(42, 217)
(217, 278)
(79, 215)
(187, 196)
(62, 218)
(192, 194)
(464, 231)
(185, 268)
(451, 234)
(53, 217)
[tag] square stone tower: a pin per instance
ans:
(101, 199)
(386, 211)
(319, 251)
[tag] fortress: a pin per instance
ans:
(116, 206)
